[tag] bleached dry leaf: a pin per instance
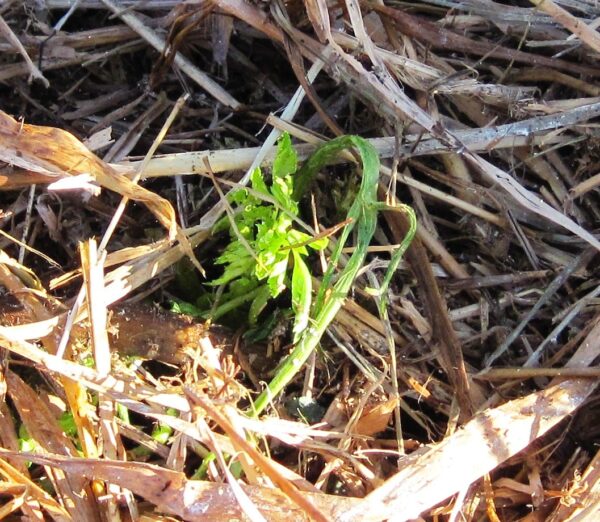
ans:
(486, 441)
(186, 65)
(27, 276)
(432, 72)
(82, 182)
(99, 139)
(50, 219)
(577, 26)
(139, 398)
(55, 152)
(510, 135)
(33, 331)
(528, 199)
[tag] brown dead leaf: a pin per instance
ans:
(44, 429)
(36, 496)
(375, 418)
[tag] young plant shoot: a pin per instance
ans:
(265, 246)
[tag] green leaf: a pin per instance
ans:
(67, 424)
(277, 277)
(268, 241)
(123, 413)
(232, 253)
(286, 160)
(258, 304)
(319, 244)
(258, 182)
(220, 226)
(202, 471)
(183, 307)
(331, 295)
(301, 295)
(28, 446)
(242, 286)
(230, 304)
(282, 192)
(270, 234)
(239, 196)
(235, 270)
(296, 238)
(237, 261)
(161, 433)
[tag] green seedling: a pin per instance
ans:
(362, 216)
(266, 246)
(267, 252)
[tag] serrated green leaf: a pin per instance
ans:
(238, 196)
(270, 233)
(221, 225)
(255, 215)
(267, 239)
(264, 266)
(232, 253)
(296, 238)
(286, 160)
(331, 295)
(258, 182)
(242, 286)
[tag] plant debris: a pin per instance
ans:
(228, 189)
